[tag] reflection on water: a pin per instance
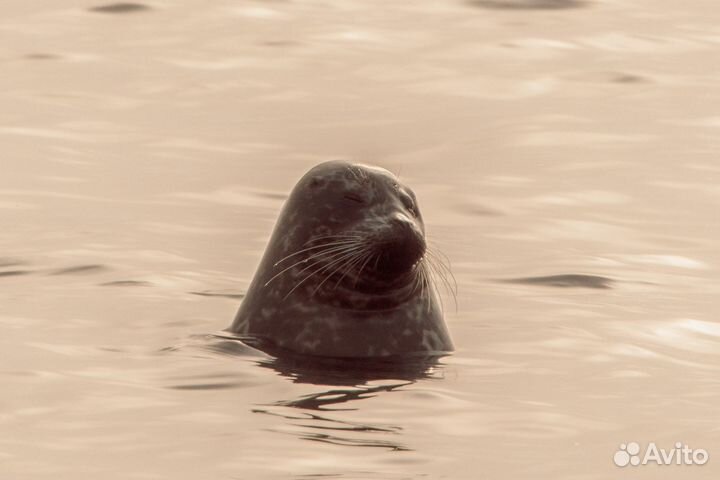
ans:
(320, 428)
(327, 370)
(321, 371)
(564, 158)
(347, 382)
(320, 401)
(355, 376)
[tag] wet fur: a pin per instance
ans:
(317, 291)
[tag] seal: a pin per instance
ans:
(347, 272)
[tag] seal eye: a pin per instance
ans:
(354, 198)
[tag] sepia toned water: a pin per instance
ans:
(566, 156)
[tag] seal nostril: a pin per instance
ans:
(402, 249)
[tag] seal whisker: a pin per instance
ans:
(421, 283)
(417, 284)
(342, 256)
(377, 259)
(417, 281)
(365, 253)
(334, 260)
(331, 252)
(444, 263)
(428, 292)
(345, 265)
(447, 275)
(339, 250)
(436, 271)
(318, 255)
(435, 268)
(368, 256)
(315, 247)
(337, 259)
(424, 286)
(433, 284)
(335, 236)
(361, 259)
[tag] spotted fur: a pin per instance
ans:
(334, 304)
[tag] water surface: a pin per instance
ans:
(565, 156)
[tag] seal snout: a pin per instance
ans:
(402, 247)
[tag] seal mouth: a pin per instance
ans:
(399, 249)
(372, 266)
(398, 256)
(395, 268)
(377, 293)
(390, 274)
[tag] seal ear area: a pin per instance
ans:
(321, 174)
(333, 194)
(316, 182)
(329, 168)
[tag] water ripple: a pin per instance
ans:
(80, 269)
(571, 280)
(120, 7)
(14, 273)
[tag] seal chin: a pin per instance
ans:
(374, 292)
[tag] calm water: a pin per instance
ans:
(146, 153)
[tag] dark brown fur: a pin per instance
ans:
(343, 275)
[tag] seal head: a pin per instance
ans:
(344, 272)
